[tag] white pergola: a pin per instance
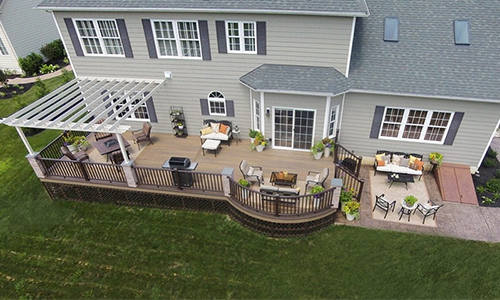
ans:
(86, 104)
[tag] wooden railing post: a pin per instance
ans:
(130, 173)
(277, 207)
(36, 164)
(85, 175)
(361, 185)
(226, 174)
(358, 169)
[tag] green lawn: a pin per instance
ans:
(78, 250)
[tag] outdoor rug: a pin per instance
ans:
(380, 185)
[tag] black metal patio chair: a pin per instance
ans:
(427, 210)
(384, 204)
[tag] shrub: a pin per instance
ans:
(41, 88)
(480, 189)
(493, 185)
(65, 75)
(3, 78)
(491, 153)
(489, 162)
(54, 50)
(45, 69)
(31, 63)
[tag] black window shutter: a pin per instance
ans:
(221, 36)
(122, 28)
(151, 109)
(205, 40)
(455, 124)
(377, 121)
(230, 108)
(107, 104)
(150, 39)
(74, 36)
(261, 38)
(204, 107)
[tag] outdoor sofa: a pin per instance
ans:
(398, 162)
(220, 130)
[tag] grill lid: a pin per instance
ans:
(179, 162)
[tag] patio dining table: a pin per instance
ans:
(108, 145)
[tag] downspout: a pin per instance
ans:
(262, 114)
(252, 110)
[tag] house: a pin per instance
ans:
(23, 30)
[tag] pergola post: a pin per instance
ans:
(122, 148)
(25, 140)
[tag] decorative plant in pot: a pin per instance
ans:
(351, 210)
(410, 200)
(315, 190)
(329, 143)
(260, 142)
(345, 196)
(436, 158)
(252, 134)
(317, 150)
(81, 142)
(244, 183)
(69, 141)
(180, 125)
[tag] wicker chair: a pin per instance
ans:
(142, 135)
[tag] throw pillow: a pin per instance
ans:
(412, 159)
(404, 162)
(379, 156)
(215, 127)
(396, 159)
(387, 159)
(280, 176)
(418, 164)
(223, 128)
(228, 130)
(380, 163)
(207, 130)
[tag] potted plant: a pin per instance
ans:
(244, 192)
(81, 142)
(317, 150)
(180, 125)
(252, 134)
(259, 142)
(351, 210)
(69, 141)
(317, 198)
(410, 200)
(329, 143)
(436, 158)
(345, 196)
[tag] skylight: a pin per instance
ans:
(462, 32)
(391, 29)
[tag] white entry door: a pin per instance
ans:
(293, 128)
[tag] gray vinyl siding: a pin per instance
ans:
(289, 41)
(8, 62)
(473, 135)
(28, 28)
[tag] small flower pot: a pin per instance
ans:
(327, 151)
(318, 155)
(259, 148)
(350, 217)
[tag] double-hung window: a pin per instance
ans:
(141, 110)
(3, 49)
(177, 38)
(216, 104)
(256, 114)
(415, 124)
(241, 37)
(332, 125)
(99, 37)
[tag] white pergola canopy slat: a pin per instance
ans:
(87, 104)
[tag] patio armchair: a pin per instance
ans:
(384, 204)
(77, 156)
(142, 135)
(251, 173)
(428, 209)
(317, 177)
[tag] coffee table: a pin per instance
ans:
(282, 178)
(398, 177)
(108, 145)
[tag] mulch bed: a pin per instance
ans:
(485, 174)
(9, 91)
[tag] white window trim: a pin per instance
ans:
(241, 36)
(220, 100)
(99, 37)
(129, 105)
(177, 40)
(336, 108)
(425, 125)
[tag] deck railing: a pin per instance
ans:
(350, 161)
(53, 149)
(282, 206)
(349, 180)
(83, 170)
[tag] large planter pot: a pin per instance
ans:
(72, 148)
(327, 151)
(259, 148)
(318, 155)
(350, 217)
(252, 140)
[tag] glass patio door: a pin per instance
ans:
(293, 128)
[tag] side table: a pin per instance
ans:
(236, 135)
(406, 210)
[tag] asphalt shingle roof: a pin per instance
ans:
(426, 61)
(301, 79)
(326, 6)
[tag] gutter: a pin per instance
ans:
(210, 10)
(424, 96)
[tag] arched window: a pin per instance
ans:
(217, 103)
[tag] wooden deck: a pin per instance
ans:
(166, 146)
